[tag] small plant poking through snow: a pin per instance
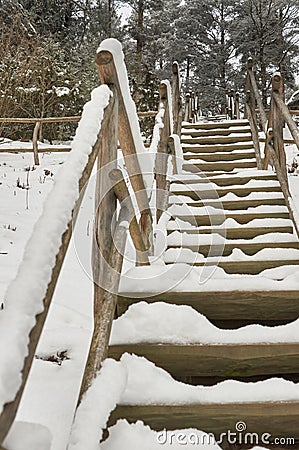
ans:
(58, 358)
(293, 168)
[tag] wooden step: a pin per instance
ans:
(224, 179)
(248, 267)
(220, 165)
(216, 148)
(237, 204)
(215, 132)
(240, 191)
(213, 125)
(217, 139)
(241, 217)
(279, 419)
(226, 249)
(234, 307)
(217, 360)
(235, 233)
(222, 156)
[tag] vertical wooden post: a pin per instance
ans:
(104, 228)
(105, 202)
(176, 100)
(250, 112)
(187, 108)
(278, 124)
(237, 105)
(34, 143)
(162, 155)
(231, 103)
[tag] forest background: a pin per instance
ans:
(47, 51)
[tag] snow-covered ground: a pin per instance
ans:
(51, 394)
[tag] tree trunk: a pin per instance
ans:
(222, 62)
(139, 49)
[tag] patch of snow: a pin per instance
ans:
(164, 323)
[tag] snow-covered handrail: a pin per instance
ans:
(273, 128)
(29, 296)
(112, 71)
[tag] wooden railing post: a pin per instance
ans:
(187, 108)
(105, 202)
(237, 106)
(176, 100)
(251, 114)
(162, 154)
(108, 75)
(34, 142)
(278, 123)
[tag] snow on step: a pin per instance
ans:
(181, 324)
(182, 239)
(192, 211)
(212, 125)
(230, 196)
(216, 132)
(210, 185)
(165, 390)
(251, 174)
(181, 225)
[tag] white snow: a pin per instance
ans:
(23, 299)
(24, 435)
(137, 436)
(165, 390)
(164, 323)
(100, 399)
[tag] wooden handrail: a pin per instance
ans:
(39, 119)
(108, 75)
(10, 409)
(162, 153)
(109, 234)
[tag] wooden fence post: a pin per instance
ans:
(34, 143)
(162, 154)
(176, 100)
(187, 108)
(237, 105)
(277, 126)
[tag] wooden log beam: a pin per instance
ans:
(108, 75)
(106, 309)
(255, 135)
(40, 150)
(143, 114)
(277, 125)
(34, 143)
(287, 117)
(123, 195)
(263, 116)
(10, 409)
(162, 153)
(41, 119)
(284, 186)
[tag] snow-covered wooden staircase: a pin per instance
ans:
(224, 212)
